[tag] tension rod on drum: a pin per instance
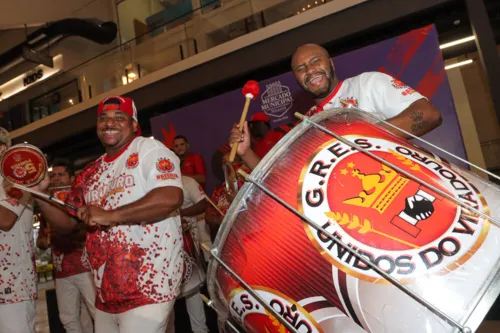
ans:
(413, 136)
(250, 290)
(360, 257)
(398, 169)
(210, 304)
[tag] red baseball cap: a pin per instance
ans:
(260, 116)
(123, 104)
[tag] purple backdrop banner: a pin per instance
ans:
(414, 58)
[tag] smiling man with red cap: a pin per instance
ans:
(129, 197)
(263, 137)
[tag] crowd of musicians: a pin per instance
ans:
(131, 248)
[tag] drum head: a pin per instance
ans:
(23, 164)
(448, 256)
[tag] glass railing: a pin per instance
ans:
(167, 39)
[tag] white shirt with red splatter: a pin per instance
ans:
(18, 277)
(193, 193)
(194, 274)
(372, 92)
(138, 264)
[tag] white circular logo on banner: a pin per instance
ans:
(276, 99)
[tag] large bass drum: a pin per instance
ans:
(413, 229)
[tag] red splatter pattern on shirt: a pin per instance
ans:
(131, 264)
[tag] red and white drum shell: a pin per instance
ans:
(443, 252)
(193, 275)
(23, 164)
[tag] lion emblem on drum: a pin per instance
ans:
(407, 228)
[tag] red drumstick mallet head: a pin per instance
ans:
(251, 89)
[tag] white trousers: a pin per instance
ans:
(196, 312)
(18, 317)
(150, 318)
(71, 292)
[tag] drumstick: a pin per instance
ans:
(250, 91)
(43, 195)
(214, 205)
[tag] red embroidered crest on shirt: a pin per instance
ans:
(400, 85)
(132, 161)
(164, 165)
(12, 202)
(15, 193)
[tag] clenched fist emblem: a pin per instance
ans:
(418, 207)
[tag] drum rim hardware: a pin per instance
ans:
(398, 169)
(250, 290)
(477, 306)
(458, 158)
(24, 146)
(24, 188)
(360, 257)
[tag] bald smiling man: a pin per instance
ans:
(373, 92)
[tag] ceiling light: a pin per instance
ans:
(71, 101)
(458, 64)
(459, 41)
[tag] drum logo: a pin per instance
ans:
(132, 161)
(407, 228)
(19, 172)
(250, 312)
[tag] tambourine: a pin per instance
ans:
(23, 164)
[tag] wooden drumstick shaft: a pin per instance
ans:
(234, 148)
(214, 205)
(44, 196)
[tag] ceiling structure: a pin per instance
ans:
(382, 19)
